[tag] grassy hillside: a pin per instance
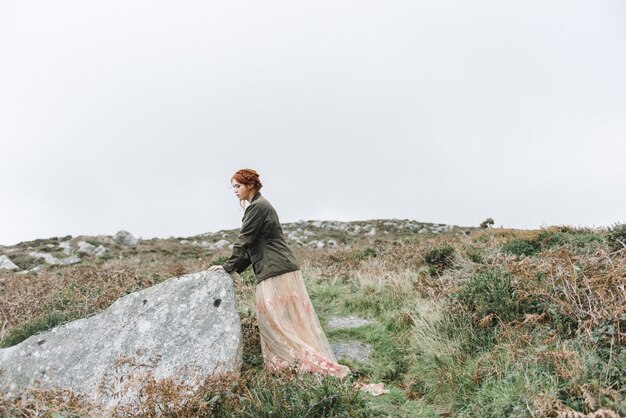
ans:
(464, 322)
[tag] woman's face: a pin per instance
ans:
(243, 192)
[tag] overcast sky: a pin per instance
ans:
(134, 114)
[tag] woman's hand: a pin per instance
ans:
(216, 268)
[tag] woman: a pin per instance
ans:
(291, 334)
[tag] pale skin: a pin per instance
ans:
(243, 192)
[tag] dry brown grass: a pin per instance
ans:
(587, 288)
(584, 285)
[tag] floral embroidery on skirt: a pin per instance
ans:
(291, 334)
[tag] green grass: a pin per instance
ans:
(33, 327)
(458, 327)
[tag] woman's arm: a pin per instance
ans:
(253, 219)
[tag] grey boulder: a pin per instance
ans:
(89, 249)
(7, 264)
(125, 238)
(185, 328)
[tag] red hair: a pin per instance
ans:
(248, 177)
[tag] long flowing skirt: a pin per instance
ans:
(291, 334)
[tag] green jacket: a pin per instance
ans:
(261, 243)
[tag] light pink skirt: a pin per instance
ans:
(291, 334)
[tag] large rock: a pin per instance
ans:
(125, 238)
(185, 328)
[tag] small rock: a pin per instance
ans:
(320, 244)
(331, 243)
(372, 232)
(100, 251)
(216, 245)
(70, 260)
(67, 247)
(125, 238)
(352, 351)
(183, 241)
(221, 244)
(374, 389)
(33, 270)
(85, 247)
(317, 224)
(48, 258)
(7, 264)
(338, 322)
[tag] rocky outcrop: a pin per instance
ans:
(125, 238)
(185, 328)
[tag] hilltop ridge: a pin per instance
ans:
(33, 256)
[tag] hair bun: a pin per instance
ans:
(248, 176)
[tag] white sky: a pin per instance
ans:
(134, 114)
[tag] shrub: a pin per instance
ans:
(369, 252)
(440, 258)
(493, 294)
(303, 396)
(521, 247)
(616, 237)
(474, 255)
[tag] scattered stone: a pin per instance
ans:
(216, 245)
(320, 244)
(220, 244)
(183, 241)
(331, 243)
(374, 389)
(125, 238)
(7, 264)
(89, 249)
(344, 322)
(317, 224)
(85, 247)
(67, 247)
(48, 258)
(352, 351)
(33, 270)
(185, 329)
(100, 251)
(372, 231)
(73, 259)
